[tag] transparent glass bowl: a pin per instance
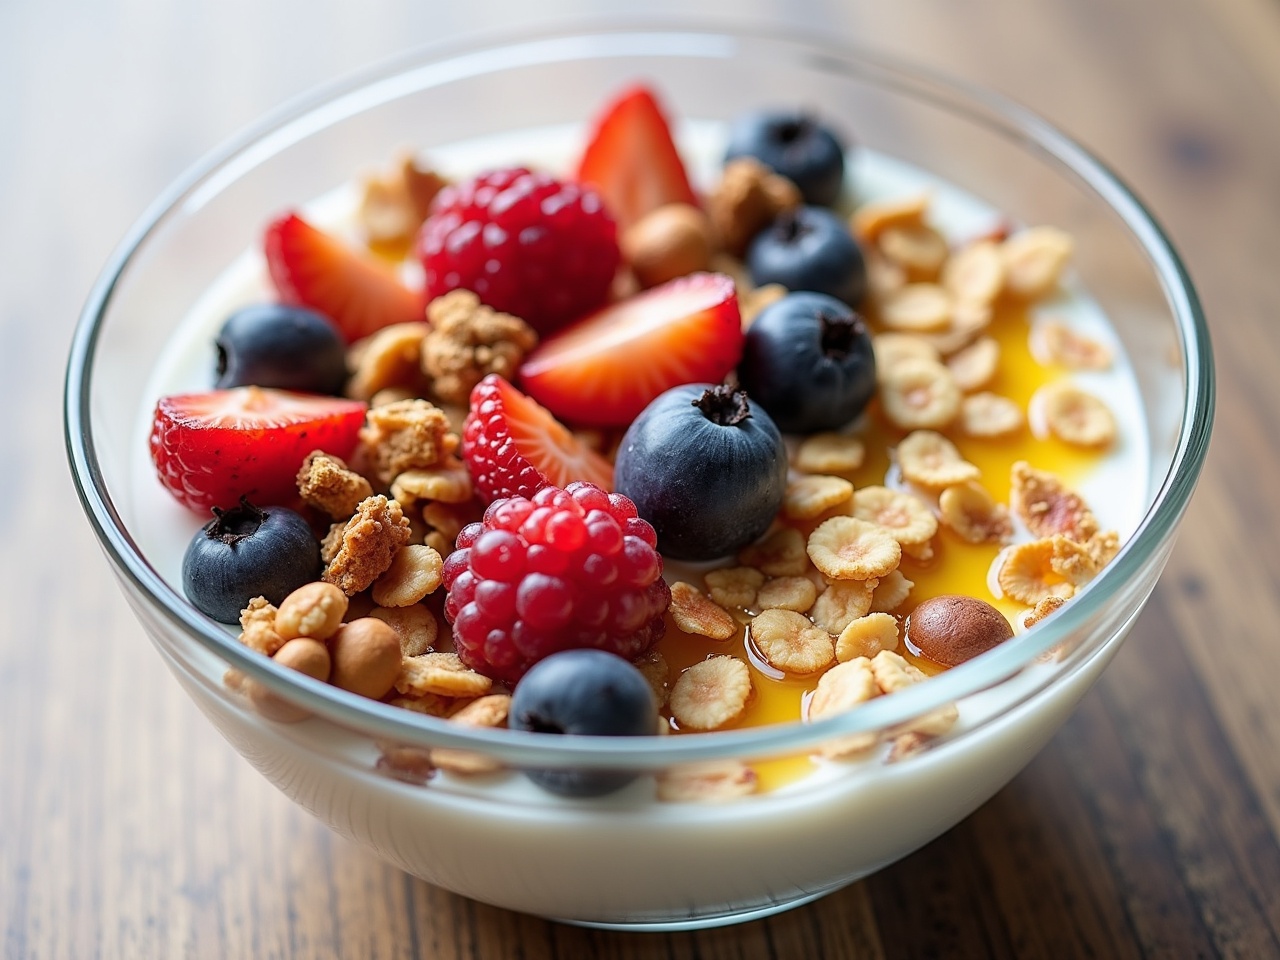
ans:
(627, 860)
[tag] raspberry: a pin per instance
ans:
(568, 569)
(524, 243)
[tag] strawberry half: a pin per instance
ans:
(513, 447)
(312, 269)
(632, 160)
(212, 448)
(607, 367)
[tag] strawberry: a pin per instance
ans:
(513, 447)
(311, 268)
(607, 367)
(212, 448)
(632, 160)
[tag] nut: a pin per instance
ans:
(693, 612)
(787, 641)
(931, 460)
(669, 242)
(711, 694)
(302, 654)
(366, 657)
(951, 629)
(746, 200)
(414, 573)
(867, 636)
(919, 394)
(846, 548)
(313, 610)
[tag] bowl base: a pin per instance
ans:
(708, 921)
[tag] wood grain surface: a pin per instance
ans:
(1147, 828)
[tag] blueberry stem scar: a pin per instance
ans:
(723, 405)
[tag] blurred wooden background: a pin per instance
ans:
(128, 829)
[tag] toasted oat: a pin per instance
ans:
(975, 365)
(1050, 566)
(787, 593)
(918, 249)
(416, 626)
(1075, 416)
(891, 592)
(488, 711)
(694, 612)
(846, 548)
(867, 636)
(414, 573)
(907, 518)
(385, 360)
(893, 673)
(780, 554)
(734, 586)
(1042, 609)
(325, 482)
(975, 273)
(884, 277)
(711, 781)
(369, 541)
(839, 690)
(931, 460)
(973, 515)
(892, 348)
(827, 453)
(812, 495)
(447, 483)
(1055, 342)
(841, 603)
(988, 415)
(919, 394)
(1047, 507)
(467, 341)
(1034, 260)
(872, 219)
(653, 666)
(440, 673)
(408, 435)
(917, 308)
(787, 641)
(711, 694)
(747, 199)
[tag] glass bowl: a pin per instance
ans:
(628, 860)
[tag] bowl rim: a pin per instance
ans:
(493, 51)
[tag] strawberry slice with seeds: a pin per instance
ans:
(514, 447)
(311, 268)
(212, 448)
(632, 160)
(607, 367)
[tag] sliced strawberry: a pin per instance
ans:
(514, 447)
(310, 268)
(607, 367)
(632, 160)
(212, 448)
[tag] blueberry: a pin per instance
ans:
(275, 345)
(794, 145)
(808, 361)
(585, 692)
(247, 552)
(706, 468)
(809, 249)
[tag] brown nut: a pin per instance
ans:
(304, 655)
(366, 657)
(951, 629)
(672, 241)
(313, 610)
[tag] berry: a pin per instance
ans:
(247, 552)
(359, 294)
(606, 368)
(213, 448)
(809, 249)
(632, 160)
(583, 692)
(564, 570)
(275, 345)
(808, 361)
(705, 468)
(794, 145)
(524, 243)
(513, 447)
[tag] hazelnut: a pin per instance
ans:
(313, 610)
(304, 655)
(366, 657)
(951, 629)
(671, 241)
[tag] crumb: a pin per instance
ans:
(369, 541)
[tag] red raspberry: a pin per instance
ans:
(525, 243)
(566, 570)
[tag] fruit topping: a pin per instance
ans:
(583, 692)
(809, 248)
(808, 361)
(606, 368)
(313, 269)
(212, 448)
(277, 345)
(525, 243)
(632, 160)
(794, 145)
(248, 552)
(514, 447)
(565, 570)
(706, 467)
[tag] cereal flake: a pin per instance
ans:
(711, 694)
(787, 641)
(846, 548)
(694, 612)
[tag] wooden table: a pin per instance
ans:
(1149, 825)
